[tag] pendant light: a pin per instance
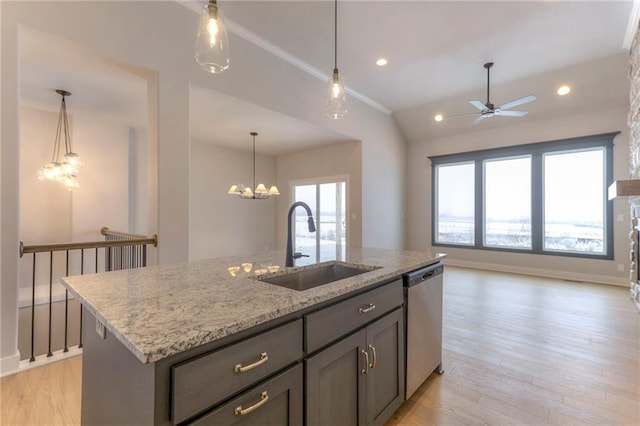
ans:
(259, 192)
(337, 100)
(65, 171)
(212, 45)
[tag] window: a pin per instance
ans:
(574, 209)
(546, 198)
(507, 202)
(328, 201)
(455, 207)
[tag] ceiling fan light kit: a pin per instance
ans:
(488, 109)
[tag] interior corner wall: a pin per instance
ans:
(221, 224)
(595, 270)
(333, 160)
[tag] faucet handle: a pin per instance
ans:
(298, 255)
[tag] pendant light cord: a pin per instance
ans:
(335, 34)
(254, 164)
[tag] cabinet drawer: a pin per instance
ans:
(330, 323)
(278, 401)
(199, 383)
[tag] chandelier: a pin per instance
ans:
(65, 171)
(260, 192)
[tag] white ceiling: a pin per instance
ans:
(278, 134)
(435, 52)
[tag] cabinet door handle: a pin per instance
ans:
(239, 411)
(241, 369)
(365, 370)
(369, 308)
(374, 357)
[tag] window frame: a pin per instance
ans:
(536, 151)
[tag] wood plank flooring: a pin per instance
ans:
(517, 351)
(521, 350)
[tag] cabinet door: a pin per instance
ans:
(385, 380)
(336, 381)
(277, 402)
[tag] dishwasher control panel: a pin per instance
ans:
(423, 274)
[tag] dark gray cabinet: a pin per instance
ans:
(359, 380)
(201, 382)
(275, 402)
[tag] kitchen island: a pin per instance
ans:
(154, 338)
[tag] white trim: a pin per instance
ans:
(42, 360)
(547, 273)
(632, 25)
(255, 39)
(10, 365)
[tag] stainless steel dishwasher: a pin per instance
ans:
(423, 322)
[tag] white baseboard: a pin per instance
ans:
(10, 365)
(41, 360)
(547, 273)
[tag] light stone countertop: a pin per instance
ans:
(159, 311)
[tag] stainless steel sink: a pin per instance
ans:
(315, 275)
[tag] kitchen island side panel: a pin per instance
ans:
(116, 387)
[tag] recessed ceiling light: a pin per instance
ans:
(438, 117)
(381, 62)
(563, 90)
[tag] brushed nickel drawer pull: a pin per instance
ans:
(375, 357)
(365, 370)
(263, 358)
(369, 308)
(239, 411)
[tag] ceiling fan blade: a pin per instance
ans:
(511, 113)
(460, 115)
(478, 120)
(478, 105)
(517, 102)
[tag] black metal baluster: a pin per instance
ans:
(144, 255)
(66, 310)
(49, 353)
(33, 308)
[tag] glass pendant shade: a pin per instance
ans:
(337, 100)
(65, 171)
(260, 192)
(212, 45)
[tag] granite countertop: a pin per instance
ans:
(159, 311)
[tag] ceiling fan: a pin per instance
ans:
(488, 110)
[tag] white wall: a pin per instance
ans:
(419, 209)
(333, 160)
(103, 196)
(221, 224)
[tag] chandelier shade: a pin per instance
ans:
(65, 170)
(259, 192)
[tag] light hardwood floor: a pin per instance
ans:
(517, 351)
